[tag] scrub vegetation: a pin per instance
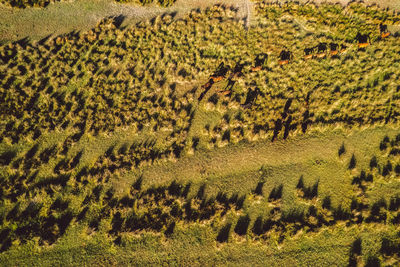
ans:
(199, 140)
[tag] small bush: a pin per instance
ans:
(397, 169)
(240, 202)
(389, 247)
(387, 168)
(300, 183)
(356, 247)
(7, 157)
(117, 222)
(223, 234)
(170, 229)
(64, 221)
(341, 150)
(340, 213)
(353, 162)
(326, 202)
(373, 163)
(394, 203)
(258, 226)
(175, 189)
(373, 261)
(201, 192)
(242, 225)
(293, 216)
(259, 188)
(311, 191)
(59, 204)
(276, 193)
(186, 190)
(32, 152)
(138, 184)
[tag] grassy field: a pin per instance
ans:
(129, 145)
(65, 16)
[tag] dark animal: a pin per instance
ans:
(384, 31)
(334, 49)
(285, 56)
(343, 48)
(321, 50)
(363, 40)
(236, 72)
(217, 76)
(205, 88)
(220, 73)
(261, 59)
(251, 97)
(309, 53)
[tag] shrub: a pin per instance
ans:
(373, 261)
(240, 202)
(117, 222)
(176, 210)
(311, 191)
(387, 168)
(294, 215)
(32, 152)
(64, 221)
(222, 198)
(356, 247)
(242, 225)
(7, 157)
(341, 150)
(170, 229)
(201, 192)
(376, 214)
(259, 188)
(59, 204)
(326, 202)
(397, 169)
(186, 190)
(300, 183)
(97, 191)
(14, 212)
(82, 214)
(276, 193)
(389, 247)
(175, 189)
(118, 240)
(138, 184)
(353, 162)
(223, 234)
(126, 201)
(394, 203)
(382, 145)
(258, 226)
(340, 213)
(373, 162)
